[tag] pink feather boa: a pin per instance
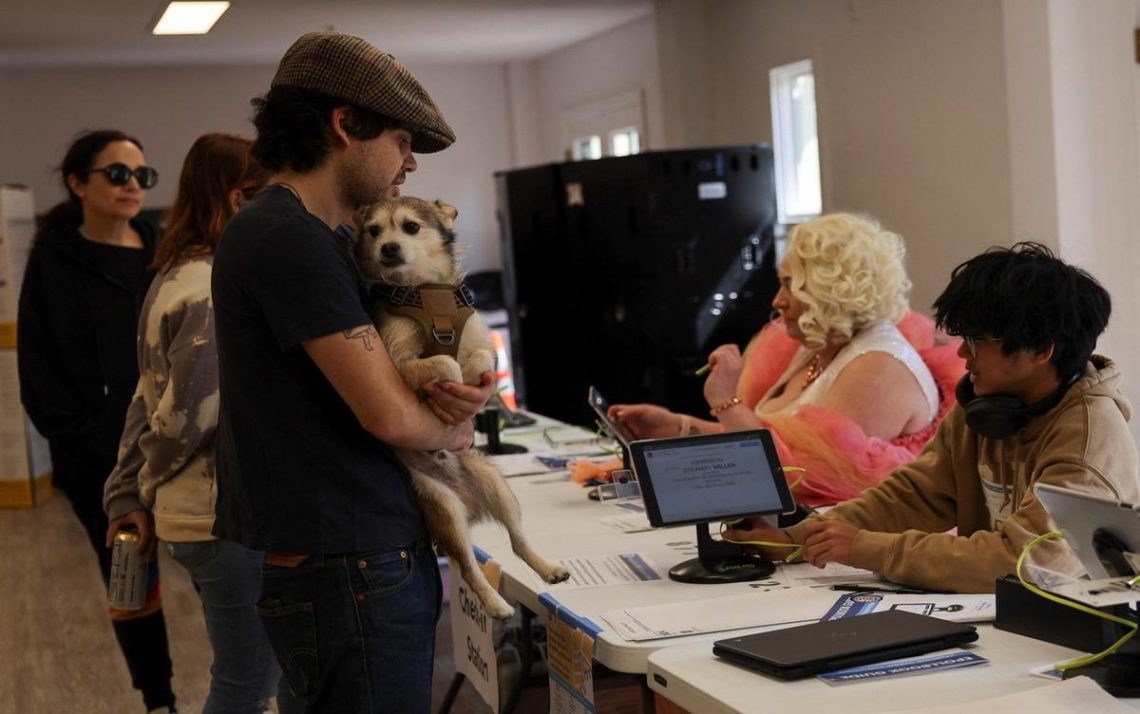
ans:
(840, 460)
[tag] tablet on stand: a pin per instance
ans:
(710, 478)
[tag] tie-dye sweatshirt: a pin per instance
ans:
(166, 454)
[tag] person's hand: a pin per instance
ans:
(720, 385)
(644, 421)
(757, 529)
(464, 436)
(828, 540)
(454, 403)
(143, 522)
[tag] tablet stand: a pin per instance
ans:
(487, 421)
(720, 562)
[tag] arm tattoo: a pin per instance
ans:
(364, 334)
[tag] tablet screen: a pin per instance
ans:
(711, 477)
(600, 406)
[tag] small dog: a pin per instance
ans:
(426, 319)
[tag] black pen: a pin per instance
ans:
(855, 587)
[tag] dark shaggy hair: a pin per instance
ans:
(1030, 299)
(294, 132)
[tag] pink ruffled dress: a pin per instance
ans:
(840, 459)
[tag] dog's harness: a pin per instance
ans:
(440, 309)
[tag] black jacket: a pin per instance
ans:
(76, 342)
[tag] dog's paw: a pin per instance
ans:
(499, 608)
(555, 574)
(438, 368)
(478, 362)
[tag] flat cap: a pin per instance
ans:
(349, 68)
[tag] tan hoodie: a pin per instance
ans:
(983, 487)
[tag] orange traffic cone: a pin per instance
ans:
(504, 382)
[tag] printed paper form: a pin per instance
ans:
(593, 571)
(792, 606)
(518, 464)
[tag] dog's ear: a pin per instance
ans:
(449, 213)
(360, 217)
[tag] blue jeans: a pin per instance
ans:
(244, 674)
(355, 633)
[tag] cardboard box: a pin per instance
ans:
(25, 465)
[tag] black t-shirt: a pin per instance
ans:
(296, 471)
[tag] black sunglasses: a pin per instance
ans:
(120, 175)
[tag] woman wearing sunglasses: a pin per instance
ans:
(164, 482)
(78, 320)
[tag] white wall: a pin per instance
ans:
(1098, 180)
(526, 130)
(473, 98)
(1029, 94)
(685, 75)
(911, 103)
(1073, 89)
(621, 60)
(167, 108)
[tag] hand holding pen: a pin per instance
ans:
(725, 364)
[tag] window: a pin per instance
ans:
(625, 142)
(795, 142)
(588, 147)
(611, 126)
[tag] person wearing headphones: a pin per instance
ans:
(1036, 406)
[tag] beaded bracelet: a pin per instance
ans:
(725, 405)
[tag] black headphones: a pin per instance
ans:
(1001, 416)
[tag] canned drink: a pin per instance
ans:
(127, 590)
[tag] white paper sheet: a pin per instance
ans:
(593, 571)
(518, 464)
(789, 606)
(628, 522)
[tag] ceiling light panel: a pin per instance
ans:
(189, 18)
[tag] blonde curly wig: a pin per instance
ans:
(849, 273)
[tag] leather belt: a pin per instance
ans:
(285, 560)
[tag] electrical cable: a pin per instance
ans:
(798, 549)
(1083, 660)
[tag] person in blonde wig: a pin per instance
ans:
(849, 381)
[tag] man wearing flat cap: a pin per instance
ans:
(310, 402)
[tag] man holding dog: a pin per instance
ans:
(1037, 406)
(310, 401)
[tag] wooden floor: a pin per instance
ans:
(57, 650)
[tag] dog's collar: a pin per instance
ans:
(409, 295)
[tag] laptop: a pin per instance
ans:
(807, 650)
(1104, 533)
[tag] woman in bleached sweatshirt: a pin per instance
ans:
(163, 484)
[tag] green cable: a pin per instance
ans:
(1083, 660)
(798, 549)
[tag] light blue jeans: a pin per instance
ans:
(245, 673)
